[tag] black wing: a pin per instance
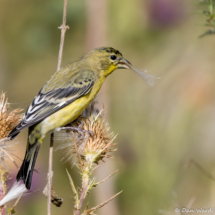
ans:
(48, 102)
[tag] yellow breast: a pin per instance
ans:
(71, 111)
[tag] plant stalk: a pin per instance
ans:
(63, 28)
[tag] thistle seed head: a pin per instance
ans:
(97, 141)
(8, 120)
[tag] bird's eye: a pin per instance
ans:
(113, 57)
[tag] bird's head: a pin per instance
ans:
(107, 59)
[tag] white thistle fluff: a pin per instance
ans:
(15, 191)
(150, 79)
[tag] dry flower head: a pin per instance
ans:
(90, 148)
(94, 147)
(8, 120)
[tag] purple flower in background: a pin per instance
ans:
(165, 13)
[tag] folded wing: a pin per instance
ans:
(52, 98)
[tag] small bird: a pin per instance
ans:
(63, 98)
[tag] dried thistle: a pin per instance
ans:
(88, 149)
(100, 143)
(8, 121)
(97, 142)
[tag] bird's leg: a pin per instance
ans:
(81, 124)
(78, 129)
(87, 131)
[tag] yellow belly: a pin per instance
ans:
(70, 112)
(65, 115)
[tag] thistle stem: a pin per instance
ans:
(2, 194)
(85, 185)
(2, 184)
(63, 28)
(50, 174)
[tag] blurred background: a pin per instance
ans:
(160, 129)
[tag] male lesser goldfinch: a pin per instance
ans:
(63, 98)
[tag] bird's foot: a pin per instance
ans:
(78, 129)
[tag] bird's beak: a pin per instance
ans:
(123, 64)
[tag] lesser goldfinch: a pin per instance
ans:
(63, 98)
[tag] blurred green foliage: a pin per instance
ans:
(159, 129)
(209, 13)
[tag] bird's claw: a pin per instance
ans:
(90, 133)
(77, 129)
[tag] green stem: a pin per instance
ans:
(85, 185)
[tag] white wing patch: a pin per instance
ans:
(61, 104)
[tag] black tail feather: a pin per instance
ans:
(26, 171)
(13, 134)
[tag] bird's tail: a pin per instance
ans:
(26, 171)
